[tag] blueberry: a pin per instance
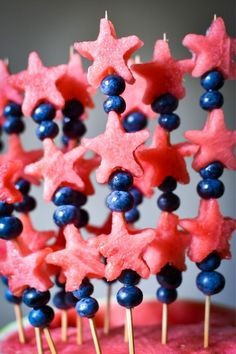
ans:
(168, 185)
(114, 103)
(22, 185)
(67, 195)
(44, 112)
(12, 298)
(47, 129)
(4, 280)
(169, 277)
(214, 170)
(169, 121)
(210, 283)
(10, 227)
(134, 122)
(12, 109)
(13, 125)
(85, 290)
(166, 296)
(35, 298)
(137, 195)
(73, 109)
(129, 296)
(73, 128)
(168, 202)
(112, 85)
(211, 100)
(59, 300)
(58, 283)
(210, 188)
(132, 215)
(70, 299)
(66, 214)
(120, 201)
(210, 263)
(212, 80)
(41, 317)
(120, 181)
(129, 277)
(165, 104)
(6, 209)
(87, 307)
(83, 220)
(26, 205)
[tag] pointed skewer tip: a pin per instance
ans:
(214, 17)
(165, 37)
(106, 15)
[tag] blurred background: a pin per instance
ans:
(50, 27)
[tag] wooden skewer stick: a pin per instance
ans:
(165, 37)
(130, 331)
(95, 336)
(207, 321)
(49, 341)
(79, 325)
(106, 15)
(38, 340)
(106, 327)
(64, 326)
(164, 335)
(125, 331)
(214, 17)
(18, 315)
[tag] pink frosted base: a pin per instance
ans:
(185, 332)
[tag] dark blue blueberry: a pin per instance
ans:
(214, 170)
(210, 188)
(70, 299)
(211, 100)
(35, 298)
(129, 296)
(47, 129)
(120, 181)
(85, 290)
(26, 205)
(112, 85)
(73, 109)
(10, 227)
(67, 195)
(114, 103)
(169, 277)
(87, 307)
(168, 202)
(58, 283)
(132, 215)
(134, 122)
(166, 296)
(6, 209)
(13, 125)
(212, 80)
(129, 277)
(83, 220)
(59, 300)
(73, 128)
(66, 214)
(22, 185)
(41, 317)
(169, 121)
(1, 145)
(4, 280)
(137, 195)
(12, 298)
(65, 140)
(210, 283)
(120, 201)
(168, 185)
(165, 104)
(210, 263)
(44, 112)
(12, 109)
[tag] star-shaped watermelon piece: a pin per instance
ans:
(123, 248)
(116, 148)
(215, 50)
(215, 142)
(74, 84)
(8, 93)
(169, 245)
(163, 159)
(39, 84)
(163, 74)
(57, 169)
(78, 260)
(84, 167)
(25, 268)
(8, 191)
(209, 231)
(108, 53)
(105, 228)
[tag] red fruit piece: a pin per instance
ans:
(8, 192)
(105, 228)
(84, 167)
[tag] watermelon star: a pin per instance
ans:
(109, 54)
(209, 231)
(123, 249)
(163, 74)
(84, 168)
(116, 148)
(215, 50)
(78, 260)
(39, 84)
(57, 169)
(215, 142)
(8, 191)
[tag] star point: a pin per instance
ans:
(8, 191)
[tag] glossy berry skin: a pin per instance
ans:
(59, 300)
(87, 307)
(212, 80)
(120, 181)
(13, 125)
(73, 128)
(169, 277)
(70, 299)
(6, 209)
(83, 220)
(85, 290)
(73, 109)
(165, 104)
(168, 185)
(169, 121)
(22, 185)
(47, 129)
(129, 296)
(10, 227)
(213, 171)
(132, 215)
(12, 298)
(4, 280)
(67, 195)
(211, 100)
(12, 109)
(210, 188)
(35, 298)
(66, 214)
(134, 122)
(114, 103)
(168, 202)
(119, 201)
(129, 277)
(210, 283)
(210, 263)
(137, 195)
(112, 85)
(166, 296)
(26, 205)
(44, 112)
(41, 317)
